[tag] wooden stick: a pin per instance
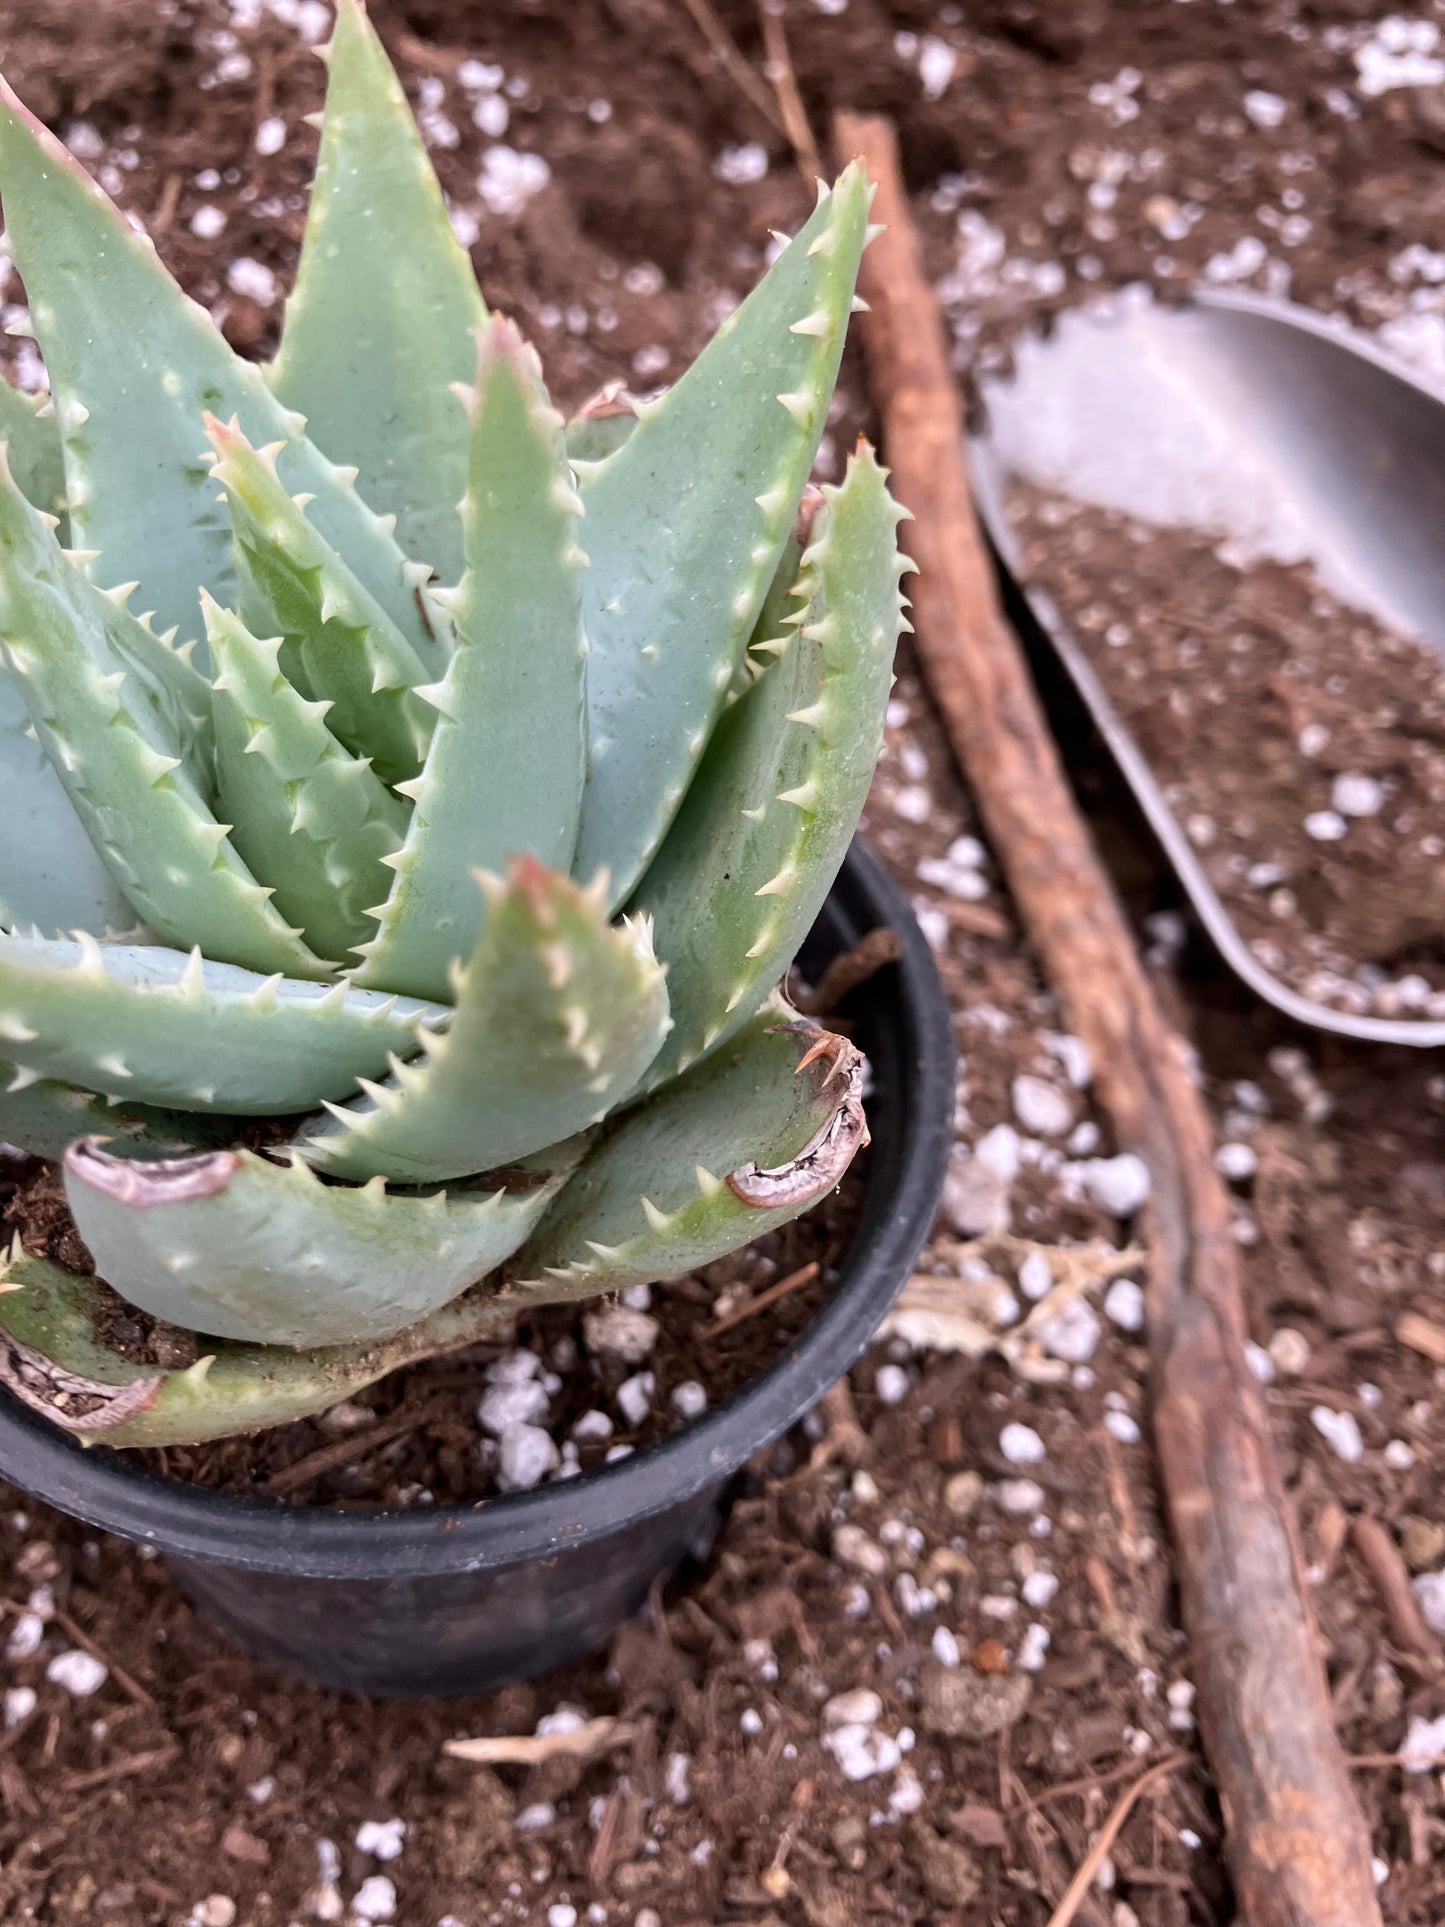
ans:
(804, 1275)
(748, 83)
(1381, 1559)
(353, 1447)
(779, 70)
(77, 1632)
(1298, 1848)
(1077, 1890)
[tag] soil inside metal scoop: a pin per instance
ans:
(1227, 520)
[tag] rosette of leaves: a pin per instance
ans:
(409, 801)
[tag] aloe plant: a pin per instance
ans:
(403, 843)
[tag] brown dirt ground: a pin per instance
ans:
(1065, 150)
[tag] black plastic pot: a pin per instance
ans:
(462, 1599)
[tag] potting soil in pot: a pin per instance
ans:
(574, 1387)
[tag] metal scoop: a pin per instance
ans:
(1249, 419)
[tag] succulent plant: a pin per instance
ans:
(391, 917)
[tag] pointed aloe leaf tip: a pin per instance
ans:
(666, 639)
(367, 356)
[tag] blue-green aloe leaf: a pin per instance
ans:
(314, 819)
(231, 1244)
(557, 1016)
(52, 1361)
(50, 874)
(133, 366)
(120, 759)
(766, 824)
(42, 1115)
(340, 646)
(685, 525)
(741, 1144)
(32, 439)
(503, 775)
(155, 1026)
(381, 319)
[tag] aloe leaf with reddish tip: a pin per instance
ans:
(332, 851)
(238, 1246)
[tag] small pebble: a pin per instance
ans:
(860, 1707)
(1019, 1497)
(1399, 1455)
(526, 1455)
(1021, 1445)
(19, 1705)
(998, 1152)
(751, 1721)
(1119, 1185)
(1424, 1747)
(1122, 1427)
(1071, 1333)
(852, 1547)
(634, 1397)
(961, 1493)
(374, 1899)
(1033, 1649)
(26, 1636)
(1237, 1162)
(619, 1332)
(216, 1910)
(945, 1647)
(1073, 1054)
(907, 1795)
(1354, 795)
(532, 1819)
(1340, 1432)
(504, 1407)
(1040, 1589)
(1429, 1591)
(862, 1752)
(79, 1672)
(561, 1914)
(1290, 1351)
(689, 1400)
(253, 279)
(509, 179)
(1124, 1304)
(1259, 1362)
(207, 222)
(1036, 1280)
(383, 1839)
(737, 166)
(1325, 826)
(891, 1384)
(271, 135)
(1043, 1110)
(1266, 110)
(593, 1425)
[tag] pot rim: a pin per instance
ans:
(196, 1522)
